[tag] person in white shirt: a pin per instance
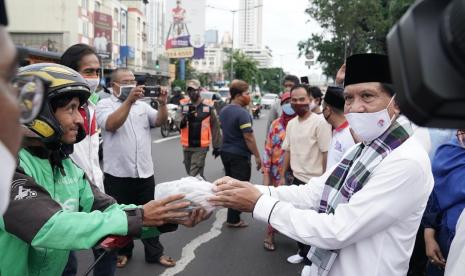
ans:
(306, 148)
(333, 112)
(127, 156)
(360, 218)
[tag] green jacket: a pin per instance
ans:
(53, 210)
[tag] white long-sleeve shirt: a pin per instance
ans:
(455, 264)
(85, 153)
(375, 231)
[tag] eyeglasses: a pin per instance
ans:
(31, 93)
(461, 136)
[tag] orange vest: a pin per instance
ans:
(197, 132)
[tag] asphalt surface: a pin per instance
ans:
(210, 248)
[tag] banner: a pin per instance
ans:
(186, 31)
(102, 34)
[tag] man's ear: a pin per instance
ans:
(395, 106)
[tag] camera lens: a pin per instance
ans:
(453, 33)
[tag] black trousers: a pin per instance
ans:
(238, 167)
(137, 191)
(303, 248)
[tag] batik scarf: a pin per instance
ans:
(349, 177)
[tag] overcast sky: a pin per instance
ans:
(284, 25)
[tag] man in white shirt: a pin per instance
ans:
(333, 112)
(306, 148)
(127, 155)
(361, 218)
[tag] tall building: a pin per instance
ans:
(250, 23)
(211, 37)
(264, 56)
(156, 14)
(54, 25)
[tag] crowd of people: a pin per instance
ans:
(361, 189)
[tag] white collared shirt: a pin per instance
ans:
(127, 152)
(375, 231)
(455, 264)
(7, 169)
(85, 153)
(341, 141)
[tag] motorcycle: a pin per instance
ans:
(171, 125)
(256, 110)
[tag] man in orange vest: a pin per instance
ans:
(199, 127)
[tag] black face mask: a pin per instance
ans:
(194, 95)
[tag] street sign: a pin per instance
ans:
(309, 55)
(309, 62)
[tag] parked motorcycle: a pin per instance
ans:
(171, 125)
(256, 110)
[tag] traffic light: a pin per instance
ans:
(157, 65)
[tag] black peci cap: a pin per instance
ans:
(362, 68)
(334, 97)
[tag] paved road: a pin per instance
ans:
(210, 248)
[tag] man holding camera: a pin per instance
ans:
(127, 156)
(199, 127)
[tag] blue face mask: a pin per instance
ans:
(287, 109)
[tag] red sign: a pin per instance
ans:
(102, 34)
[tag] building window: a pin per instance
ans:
(97, 6)
(85, 28)
(116, 15)
(138, 24)
(85, 4)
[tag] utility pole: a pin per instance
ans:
(233, 12)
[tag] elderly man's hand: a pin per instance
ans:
(198, 215)
(235, 194)
(159, 212)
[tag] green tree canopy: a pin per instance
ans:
(244, 68)
(270, 79)
(350, 27)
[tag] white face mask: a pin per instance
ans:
(369, 126)
(124, 91)
(93, 83)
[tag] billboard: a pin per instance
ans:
(102, 34)
(186, 29)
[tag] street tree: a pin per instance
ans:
(244, 68)
(350, 27)
(270, 79)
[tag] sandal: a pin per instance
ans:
(240, 224)
(268, 243)
(122, 261)
(166, 261)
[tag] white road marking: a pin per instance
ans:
(166, 139)
(188, 253)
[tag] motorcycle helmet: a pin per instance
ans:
(64, 81)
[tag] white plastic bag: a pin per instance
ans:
(195, 189)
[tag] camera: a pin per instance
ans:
(152, 91)
(426, 50)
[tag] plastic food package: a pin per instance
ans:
(195, 189)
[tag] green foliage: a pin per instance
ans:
(350, 27)
(244, 68)
(179, 83)
(270, 79)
